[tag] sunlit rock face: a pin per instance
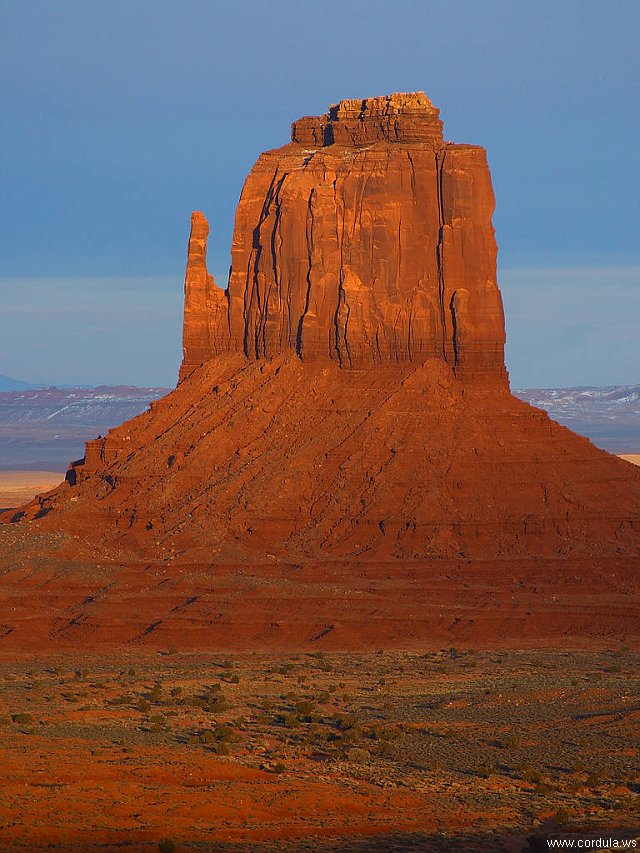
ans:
(342, 457)
(366, 240)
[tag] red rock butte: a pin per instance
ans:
(342, 462)
(367, 240)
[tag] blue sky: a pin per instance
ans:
(119, 119)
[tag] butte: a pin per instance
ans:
(342, 464)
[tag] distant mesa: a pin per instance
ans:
(342, 448)
(7, 383)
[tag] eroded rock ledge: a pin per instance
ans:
(400, 117)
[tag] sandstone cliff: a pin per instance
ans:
(366, 240)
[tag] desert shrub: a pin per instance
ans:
(226, 733)
(5, 719)
(354, 733)
(143, 706)
(509, 741)
(216, 738)
(345, 721)
(71, 697)
(384, 749)
(562, 816)
(278, 767)
(314, 734)
(378, 732)
(215, 704)
(532, 776)
(156, 692)
(235, 679)
(166, 846)
(593, 779)
(573, 784)
(358, 755)
(304, 708)
(175, 691)
(290, 720)
(22, 719)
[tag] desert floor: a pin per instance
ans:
(631, 457)
(19, 487)
(446, 751)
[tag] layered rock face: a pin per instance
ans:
(204, 303)
(368, 241)
(342, 457)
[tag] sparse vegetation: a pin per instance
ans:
(23, 719)
(422, 729)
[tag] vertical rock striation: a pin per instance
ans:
(204, 303)
(366, 240)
